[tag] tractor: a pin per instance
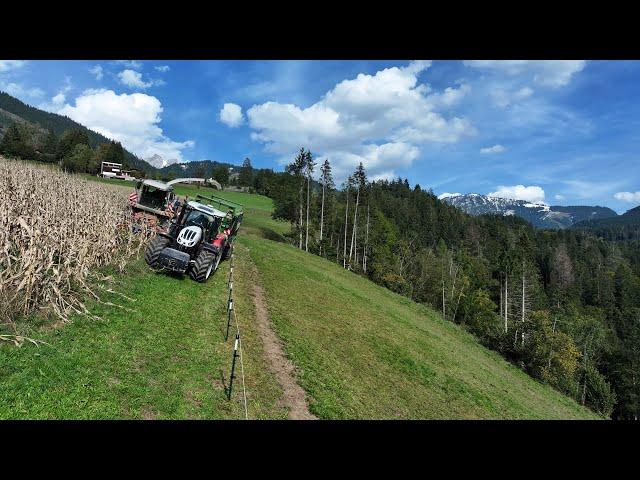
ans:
(154, 203)
(197, 240)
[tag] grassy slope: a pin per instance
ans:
(164, 360)
(366, 353)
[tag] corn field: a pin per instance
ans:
(55, 230)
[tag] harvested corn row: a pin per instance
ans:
(55, 230)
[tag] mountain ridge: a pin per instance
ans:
(541, 215)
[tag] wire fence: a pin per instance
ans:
(237, 345)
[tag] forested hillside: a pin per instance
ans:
(196, 168)
(14, 111)
(624, 227)
(563, 305)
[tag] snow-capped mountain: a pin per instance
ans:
(159, 162)
(539, 214)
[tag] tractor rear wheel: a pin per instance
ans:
(206, 263)
(156, 246)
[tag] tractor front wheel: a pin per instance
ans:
(205, 264)
(157, 244)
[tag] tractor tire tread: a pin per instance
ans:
(199, 270)
(156, 246)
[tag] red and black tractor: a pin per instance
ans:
(197, 240)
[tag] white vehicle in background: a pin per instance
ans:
(155, 203)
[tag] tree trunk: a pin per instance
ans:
(301, 221)
(306, 240)
(523, 305)
(455, 312)
(322, 214)
(346, 223)
(366, 244)
(354, 229)
(444, 304)
(501, 298)
(506, 303)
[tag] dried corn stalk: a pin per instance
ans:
(55, 229)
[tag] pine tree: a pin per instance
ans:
(327, 184)
(115, 153)
(245, 178)
(296, 168)
(360, 179)
(70, 139)
(221, 174)
(309, 166)
(50, 146)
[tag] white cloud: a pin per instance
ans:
(631, 197)
(59, 99)
(6, 65)
(231, 115)
(548, 73)
(136, 65)
(133, 79)
(378, 119)
(447, 195)
(97, 72)
(163, 68)
(450, 96)
(503, 96)
(532, 193)
(20, 91)
(559, 197)
(491, 150)
(132, 119)
(524, 92)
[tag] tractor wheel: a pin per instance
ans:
(206, 263)
(156, 246)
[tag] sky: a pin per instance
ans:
(558, 132)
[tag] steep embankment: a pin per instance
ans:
(364, 352)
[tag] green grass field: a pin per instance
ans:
(366, 352)
(360, 350)
(166, 359)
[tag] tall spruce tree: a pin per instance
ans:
(245, 179)
(296, 168)
(327, 185)
(309, 166)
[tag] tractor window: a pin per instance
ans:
(153, 197)
(199, 219)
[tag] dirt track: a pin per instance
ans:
(278, 364)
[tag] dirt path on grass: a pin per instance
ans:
(294, 396)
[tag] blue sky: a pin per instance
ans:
(562, 132)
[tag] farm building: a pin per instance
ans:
(114, 170)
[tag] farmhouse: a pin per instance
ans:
(114, 170)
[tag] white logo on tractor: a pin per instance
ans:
(189, 236)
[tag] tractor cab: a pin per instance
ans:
(154, 195)
(203, 217)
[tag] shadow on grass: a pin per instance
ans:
(270, 234)
(225, 387)
(172, 274)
